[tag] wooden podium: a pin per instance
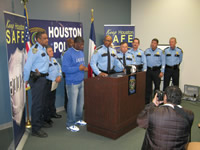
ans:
(109, 109)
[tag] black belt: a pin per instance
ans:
(172, 67)
(155, 68)
(39, 74)
(111, 71)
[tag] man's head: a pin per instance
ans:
(173, 95)
(79, 43)
(123, 47)
(42, 38)
(49, 50)
(107, 40)
(135, 43)
(154, 44)
(172, 42)
(70, 43)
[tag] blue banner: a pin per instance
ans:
(15, 33)
(120, 33)
(58, 32)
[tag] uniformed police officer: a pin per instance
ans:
(55, 75)
(70, 43)
(124, 56)
(104, 58)
(173, 59)
(138, 55)
(35, 72)
(155, 68)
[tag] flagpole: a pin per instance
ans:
(28, 122)
(92, 15)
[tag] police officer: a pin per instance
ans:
(70, 43)
(35, 72)
(104, 58)
(138, 55)
(173, 59)
(155, 68)
(55, 75)
(124, 56)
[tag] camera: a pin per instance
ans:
(160, 95)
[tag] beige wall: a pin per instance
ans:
(165, 18)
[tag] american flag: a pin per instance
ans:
(27, 36)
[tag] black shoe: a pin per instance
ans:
(49, 121)
(56, 116)
(46, 125)
(40, 134)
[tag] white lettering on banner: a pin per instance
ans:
(64, 32)
(59, 45)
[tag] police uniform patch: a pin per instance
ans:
(95, 51)
(180, 49)
(34, 50)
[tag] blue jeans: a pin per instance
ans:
(75, 103)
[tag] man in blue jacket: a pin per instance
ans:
(73, 66)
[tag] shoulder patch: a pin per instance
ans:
(34, 50)
(180, 49)
(99, 47)
(95, 51)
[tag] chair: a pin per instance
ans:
(193, 146)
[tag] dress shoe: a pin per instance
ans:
(40, 134)
(56, 116)
(46, 125)
(199, 125)
(49, 121)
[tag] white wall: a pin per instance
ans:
(163, 19)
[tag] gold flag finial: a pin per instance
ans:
(92, 16)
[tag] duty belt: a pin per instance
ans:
(155, 68)
(172, 67)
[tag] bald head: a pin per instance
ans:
(107, 40)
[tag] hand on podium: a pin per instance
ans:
(103, 74)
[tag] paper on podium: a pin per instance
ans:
(54, 85)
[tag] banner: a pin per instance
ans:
(58, 32)
(15, 26)
(120, 33)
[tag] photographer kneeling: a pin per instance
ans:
(168, 126)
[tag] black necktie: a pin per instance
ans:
(124, 59)
(108, 68)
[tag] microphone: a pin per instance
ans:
(119, 60)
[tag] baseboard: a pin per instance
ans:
(23, 140)
(6, 125)
(60, 109)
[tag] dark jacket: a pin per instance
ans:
(166, 128)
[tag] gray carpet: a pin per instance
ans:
(61, 139)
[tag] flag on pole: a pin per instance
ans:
(27, 36)
(92, 45)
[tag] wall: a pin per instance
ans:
(105, 12)
(163, 19)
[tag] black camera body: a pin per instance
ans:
(160, 95)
